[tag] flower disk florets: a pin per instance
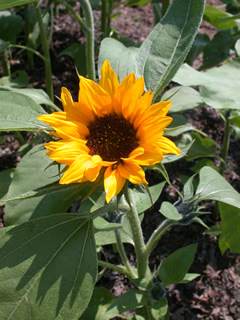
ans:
(112, 138)
(110, 134)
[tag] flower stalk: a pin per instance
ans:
(123, 255)
(89, 38)
(142, 265)
(157, 234)
(226, 141)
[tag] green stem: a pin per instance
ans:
(147, 309)
(45, 46)
(28, 49)
(5, 64)
(226, 141)
(76, 16)
(123, 254)
(27, 32)
(157, 234)
(89, 38)
(103, 18)
(111, 266)
(135, 223)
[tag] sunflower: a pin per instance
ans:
(110, 133)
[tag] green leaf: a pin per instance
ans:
(213, 186)
(48, 268)
(121, 58)
(29, 175)
(175, 267)
(17, 79)
(130, 300)
(213, 88)
(179, 100)
(11, 25)
(190, 277)
(218, 49)
(166, 47)
(217, 17)
(169, 211)
(230, 236)
(37, 95)
(100, 301)
(5, 181)
(77, 52)
(198, 46)
(160, 308)
(188, 189)
(3, 45)
(174, 157)
(102, 225)
(19, 112)
(159, 167)
(202, 147)
(5, 4)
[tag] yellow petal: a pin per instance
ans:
(65, 129)
(109, 81)
(82, 169)
(92, 94)
(74, 111)
(167, 146)
(132, 172)
(127, 82)
(113, 183)
(66, 152)
(130, 98)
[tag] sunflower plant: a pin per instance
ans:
(84, 184)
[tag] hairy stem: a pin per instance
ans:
(123, 253)
(89, 38)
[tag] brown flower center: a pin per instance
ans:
(112, 138)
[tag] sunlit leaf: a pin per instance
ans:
(217, 17)
(19, 112)
(48, 268)
(31, 174)
(166, 47)
(213, 186)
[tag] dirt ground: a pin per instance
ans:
(215, 294)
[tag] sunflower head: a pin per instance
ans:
(112, 132)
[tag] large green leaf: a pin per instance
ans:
(177, 264)
(121, 58)
(5, 4)
(48, 268)
(19, 112)
(31, 174)
(213, 88)
(37, 95)
(213, 186)
(166, 47)
(230, 228)
(184, 98)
